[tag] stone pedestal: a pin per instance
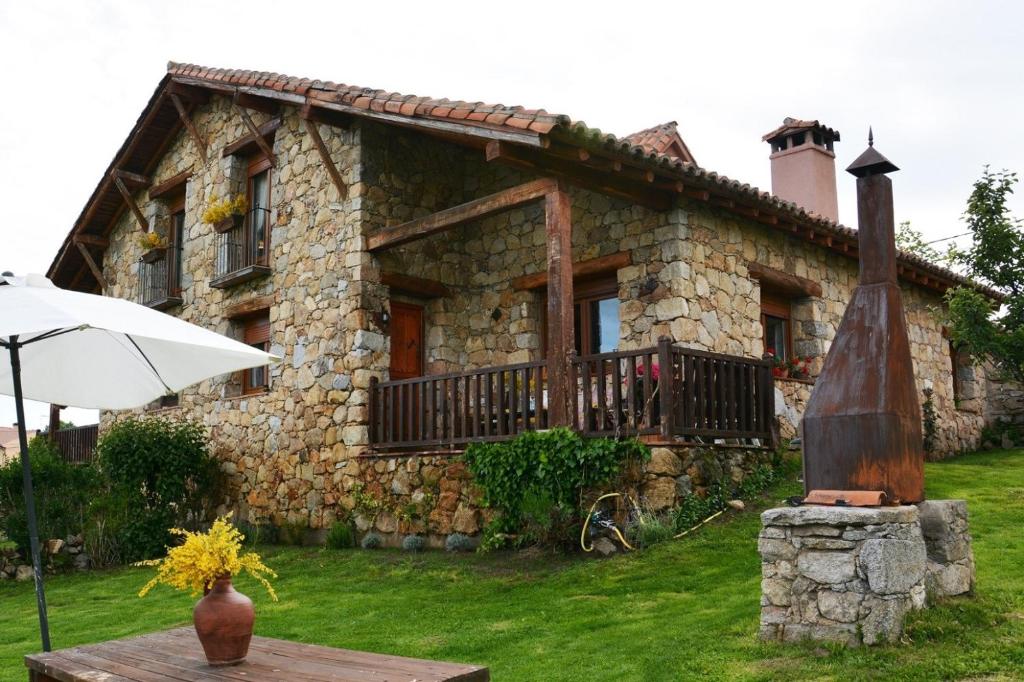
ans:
(844, 574)
(950, 570)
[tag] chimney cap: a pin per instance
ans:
(792, 125)
(871, 161)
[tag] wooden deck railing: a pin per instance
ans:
(77, 444)
(666, 392)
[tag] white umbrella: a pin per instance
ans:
(69, 348)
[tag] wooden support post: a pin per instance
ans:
(130, 200)
(186, 120)
(325, 155)
(261, 142)
(665, 376)
(54, 421)
(96, 272)
(561, 333)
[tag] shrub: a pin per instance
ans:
(63, 494)
(647, 529)
(162, 473)
(413, 543)
(372, 541)
(537, 482)
(340, 536)
(457, 542)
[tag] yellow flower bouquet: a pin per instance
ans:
(203, 558)
(206, 562)
(220, 210)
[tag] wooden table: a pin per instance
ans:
(177, 655)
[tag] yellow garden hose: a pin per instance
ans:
(618, 533)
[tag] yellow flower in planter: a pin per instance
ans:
(151, 240)
(204, 557)
(221, 209)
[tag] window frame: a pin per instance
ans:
(255, 329)
(258, 164)
(585, 292)
(175, 245)
(955, 362)
(781, 308)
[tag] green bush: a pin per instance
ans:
(340, 536)
(63, 495)
(161, 476)
(538, 480)
(649, 529)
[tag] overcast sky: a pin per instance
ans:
(939, 81)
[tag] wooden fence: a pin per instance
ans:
(77, 444)
(665, 392)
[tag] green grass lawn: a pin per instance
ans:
(687, 609)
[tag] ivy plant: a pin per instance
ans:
(537, 481)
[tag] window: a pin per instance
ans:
(775, 321)
(258, 216)
(955, 360)
(596, 316)
(175, 239)
(256, 333)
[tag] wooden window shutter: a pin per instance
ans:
(257, 330)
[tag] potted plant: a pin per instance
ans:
(225, 214)
(206, 562)
(800, 368)
(153, 246)
(780, 367)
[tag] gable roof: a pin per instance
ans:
(663, 139)
(639, 156)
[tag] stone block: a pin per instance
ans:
(892, 566)
(775, 550)
(838, 516)
(884, 621)
(842, 607)
(827, 567)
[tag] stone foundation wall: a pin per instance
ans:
(434, 495)
(839, 574)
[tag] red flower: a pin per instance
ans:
(655, 371)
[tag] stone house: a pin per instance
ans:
(436, 272)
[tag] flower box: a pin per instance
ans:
(154, 255)
(227, 224)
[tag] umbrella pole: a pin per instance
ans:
(30, 504)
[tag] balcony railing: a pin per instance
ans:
(160, 279)
(666, 393)
(243, 250)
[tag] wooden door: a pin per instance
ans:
(406, 340)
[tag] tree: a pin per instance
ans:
(910, 240)
(995, 258)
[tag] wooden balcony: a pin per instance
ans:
(243, 250)
(663, 394)
(159, 280)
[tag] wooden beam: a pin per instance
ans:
(249, 140)
(96, 272)
(561, 333)
(248, 307)
(171, 185)
(459, 215)
(130, 200)
(777, 280)
(325, 156)
(192, 94)
(256, 103)
(323, 116)
(91, 240)
(415, 286)
(580, 270)
(260, 141)
(193, 132)
(574, 173)
(134, 179)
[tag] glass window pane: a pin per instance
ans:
(775, 336)
(604, 325)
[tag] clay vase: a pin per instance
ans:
(223, 620)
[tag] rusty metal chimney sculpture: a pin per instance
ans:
(862, 426)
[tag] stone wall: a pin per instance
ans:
(843, 574)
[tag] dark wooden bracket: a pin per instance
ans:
(414, 286)
(91, 240)
(193, 132)
(129, 199)
(241, 103)
(96, 272)
(325, 155)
